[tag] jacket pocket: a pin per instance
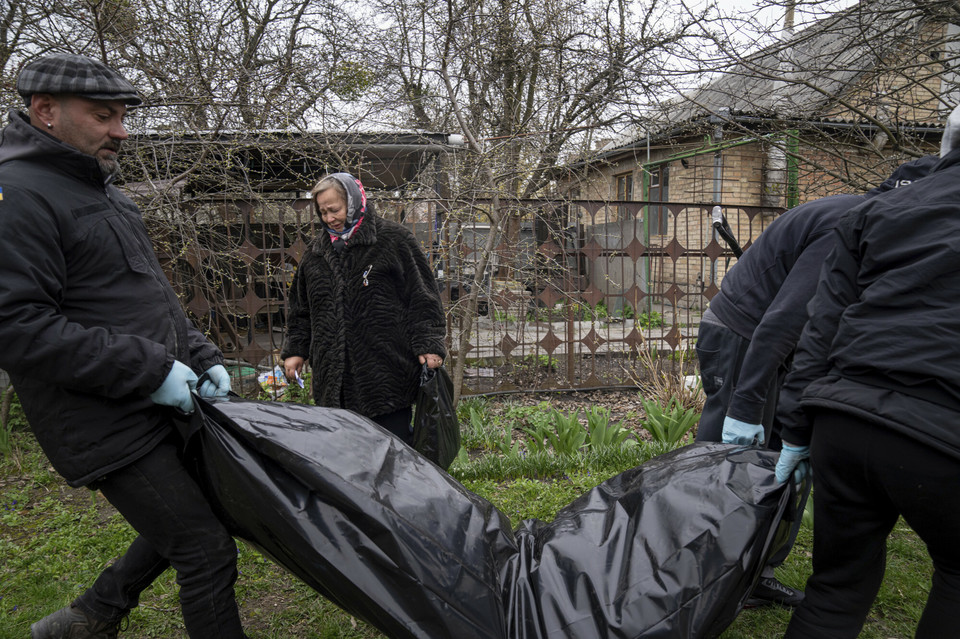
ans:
(101, 226)
(133, 246)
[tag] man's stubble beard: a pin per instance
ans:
(110, 166)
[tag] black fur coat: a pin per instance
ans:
(361, 316)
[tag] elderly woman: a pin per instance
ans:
(364, 309)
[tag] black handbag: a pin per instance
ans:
(436, 431)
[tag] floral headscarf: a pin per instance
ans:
(356, 208)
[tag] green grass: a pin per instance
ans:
(54, 540)
(895, 612)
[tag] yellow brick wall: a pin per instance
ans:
(832, 164)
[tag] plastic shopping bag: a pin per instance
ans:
(436, 429)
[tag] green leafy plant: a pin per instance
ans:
(507, 445)
(481, 430)
(650, 319)
(570, 434)
(541, 437)
(467, 404)
(461, 461)
(668, 424)
(529, 416)
(299, 395)
(478, 418)
(548, 428)
(473, 415)
(542, 360)
(6, 444)
(604, 434)
(351, 79)
(11, 419)
(580, 311)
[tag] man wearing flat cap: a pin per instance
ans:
(100, 351)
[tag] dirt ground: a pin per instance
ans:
(620, 403)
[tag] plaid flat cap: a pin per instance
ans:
(76, 75)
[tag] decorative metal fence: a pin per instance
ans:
(573, 292)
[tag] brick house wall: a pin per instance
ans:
(904, 88)
(690, 181)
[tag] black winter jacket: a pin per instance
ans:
(883, 340)
(89, 325)
(764, 295)
(361, 316)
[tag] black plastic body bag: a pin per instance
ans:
(671, 548)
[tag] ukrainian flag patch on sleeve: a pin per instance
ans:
(1, 193)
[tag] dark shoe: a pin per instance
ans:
(73, 623)
(770, 591)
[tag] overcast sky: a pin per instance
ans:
(770, 13)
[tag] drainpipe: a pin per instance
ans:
(775, 177)
(717, 174)
(718, 160)
(782, 176)
(793, 168)
(783, 155)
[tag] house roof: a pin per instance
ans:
(291, 161)
(794, 81)
(800, 77)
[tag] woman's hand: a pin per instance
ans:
(431, 360)
(292, 367)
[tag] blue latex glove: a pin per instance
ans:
(176, 388)
(792, 462)
(737, 432)
(218, 382)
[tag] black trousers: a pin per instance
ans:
(176, 528)
(866, 476)
(399, 422)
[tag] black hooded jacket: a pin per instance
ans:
(764, 295)
(883, 340)
(363, 314)
(89, 324)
